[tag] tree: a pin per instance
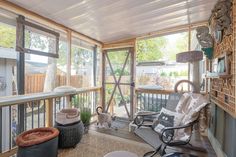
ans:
(51, 73)
(180, 44)
(7, 36)
(63, 50)
(151, 49)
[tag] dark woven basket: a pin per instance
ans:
(45, 149)
(70, 135)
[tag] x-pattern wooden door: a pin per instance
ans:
(118, 81)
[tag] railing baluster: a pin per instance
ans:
(55, 107)
(40, 111)
(165, 100)
(32, 114)
(0, 129)
(10, 128)
(86, 97)
(139, 100)
(64, 102)
(155, 102)
(94, 101)
(38, 102)
(152, 104)
(144, 104)
(59, 101)
(44, 112)
(49, 112)
(25, 117)
(161, 104)
(83, 99)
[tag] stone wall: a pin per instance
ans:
(223, 89)
(223, 123)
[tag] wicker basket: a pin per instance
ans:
(70, 135)
(68, 116)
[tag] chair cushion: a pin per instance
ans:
(191, 107)
(168, 118)
(36, 136)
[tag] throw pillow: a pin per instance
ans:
(168, 118)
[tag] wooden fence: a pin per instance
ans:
(34, 83)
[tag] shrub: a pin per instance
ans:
(85, 116)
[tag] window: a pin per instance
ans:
(82, 64)
(37, 39)
(157, 64)
(41, 71)
(7, 60)
(8, 72)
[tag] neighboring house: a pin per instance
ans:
(7, 87)
(32, 67)
(156, 67)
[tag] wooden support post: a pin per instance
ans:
(189, 49)
(100, 96)
(68, 58)
(132, 86)
(103, 93)
(49, 112)
(20, 41)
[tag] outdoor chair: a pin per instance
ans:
(163, 130)
(145, 118)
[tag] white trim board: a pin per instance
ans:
(216, 145)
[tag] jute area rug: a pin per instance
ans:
(94, 144)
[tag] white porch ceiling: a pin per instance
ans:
(112, 20)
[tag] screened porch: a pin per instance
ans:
(127, 57)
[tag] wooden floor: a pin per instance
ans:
(199, 142)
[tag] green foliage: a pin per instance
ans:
(117, 58)
(163, 74)
(177, 46)
(62, 60)
(85, 116)
(174, 73)
(7, 36)
(165, 47)
(151, 49)
(35, 41)
(119, 70)
(183, 73)
(78, 101)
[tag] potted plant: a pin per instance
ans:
(85, 117)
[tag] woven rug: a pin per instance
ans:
(149, 136)
(96, 144)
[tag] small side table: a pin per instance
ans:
(121, 154)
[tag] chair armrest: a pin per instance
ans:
(163, 136)
(139, 120)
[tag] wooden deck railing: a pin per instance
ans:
(24, 112)
(151, 99)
